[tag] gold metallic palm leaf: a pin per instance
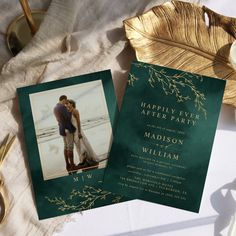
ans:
(185, 36)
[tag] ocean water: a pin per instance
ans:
(98, 131)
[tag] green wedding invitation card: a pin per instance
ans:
(164, 136)
(68, 128)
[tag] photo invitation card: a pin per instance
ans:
(68, 128)
(164, 136)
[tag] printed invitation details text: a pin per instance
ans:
(159, 153)
(161, 148)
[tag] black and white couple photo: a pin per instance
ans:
(68, 118)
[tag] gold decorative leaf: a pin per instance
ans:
(5, 147)
(186, 36)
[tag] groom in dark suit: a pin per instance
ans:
(66, 130)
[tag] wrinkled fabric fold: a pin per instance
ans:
(46, 46)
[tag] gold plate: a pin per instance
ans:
(188, 37)
(18, 32)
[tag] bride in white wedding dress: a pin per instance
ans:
(87, 156)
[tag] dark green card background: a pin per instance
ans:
(75, 192)
(194, 154)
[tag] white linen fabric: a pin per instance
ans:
(76, 37)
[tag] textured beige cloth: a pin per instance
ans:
(26, 68)
(76, 37)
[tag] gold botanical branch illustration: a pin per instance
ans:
(87, 197)
(61, 203)
(176, 85)
(131, 80)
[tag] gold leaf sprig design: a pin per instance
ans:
(63, 206)
(131, 80)
(88, 197)
(176, 85)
